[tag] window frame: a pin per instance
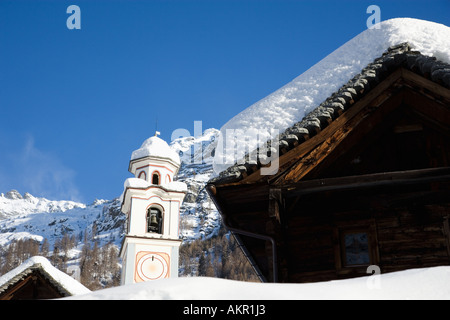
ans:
(340, 231)
(142, 173)
(156, 172)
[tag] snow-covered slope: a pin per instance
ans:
(199, 217)
(13, 203)
(25, 217)
(289, 104)
(427, 283)
(196, 150)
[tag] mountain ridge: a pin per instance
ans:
(28, 217)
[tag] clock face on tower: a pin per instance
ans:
(151, 266)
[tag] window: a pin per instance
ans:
(155, 178)
(142, 175)
(356, 249)
(154, 220)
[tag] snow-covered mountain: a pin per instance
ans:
(13, 203)
(199, 217)
(26, 216)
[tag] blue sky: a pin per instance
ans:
(75, 103)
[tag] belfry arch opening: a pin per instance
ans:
(155, 178)
(154, 220)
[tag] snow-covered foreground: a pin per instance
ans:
(418, 284)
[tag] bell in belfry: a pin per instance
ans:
(154, 222)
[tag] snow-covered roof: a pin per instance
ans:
(315, 89)
(421, 284)
(155, 147)
(65, 283)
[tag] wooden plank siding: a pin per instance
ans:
(408, 229)
(378, 173)
(407, 213)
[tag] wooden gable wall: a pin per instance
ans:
(380, 171)
(31, 287)
(405, 103)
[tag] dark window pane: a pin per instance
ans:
(356, 248)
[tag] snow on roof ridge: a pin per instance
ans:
(65, 281)
(292, 102)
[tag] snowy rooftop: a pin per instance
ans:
(291, 103)
(422, 284)
(63, 281)
(155, 147)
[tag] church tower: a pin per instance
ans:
(152, 201)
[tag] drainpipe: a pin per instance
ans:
(211, 191)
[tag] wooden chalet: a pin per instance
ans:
(36, 279)
(363, 180)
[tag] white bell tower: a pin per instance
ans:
(152, 201)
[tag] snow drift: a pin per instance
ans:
(422, 284)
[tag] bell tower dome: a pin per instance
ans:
(154, 162)
(152, 201)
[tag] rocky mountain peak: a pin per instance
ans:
(13, 195)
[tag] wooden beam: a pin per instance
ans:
(408, 128)
(431, 110)
(11, 291)
(419, 81)
(415, 176)
(275, 202)
(373, 97)
(349, 134)
(287, 159)
(446, 228)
